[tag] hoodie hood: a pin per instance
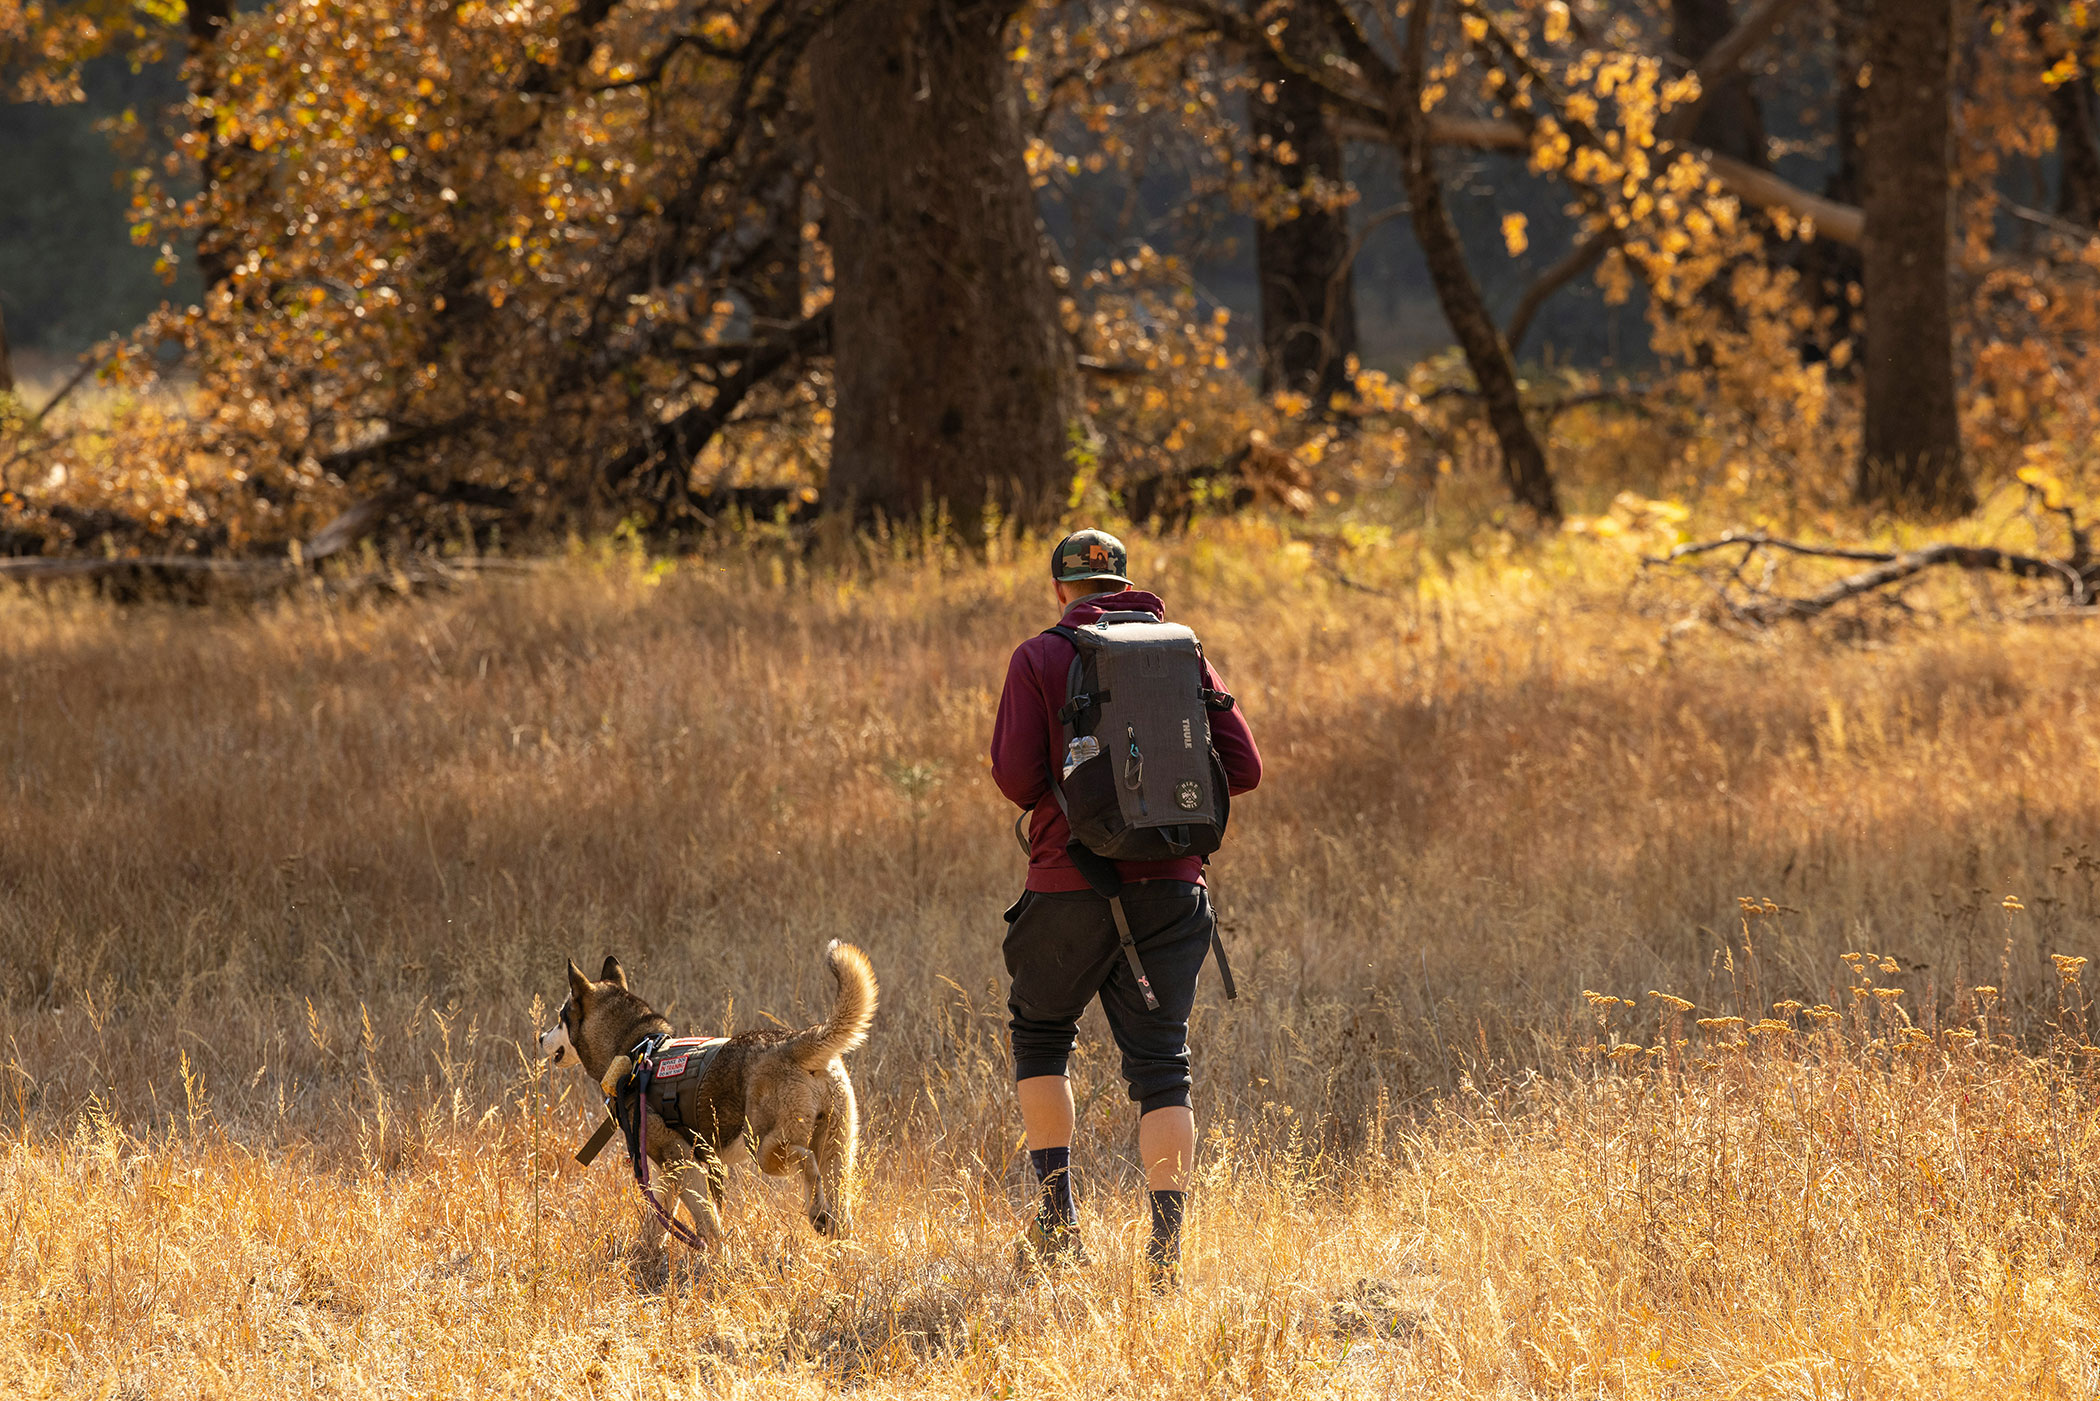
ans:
(1089, 610)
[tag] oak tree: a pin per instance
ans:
(955, 383)
(1910, 452)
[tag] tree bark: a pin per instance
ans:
(1911, 453)
(7, 362)
(1308, 291)
(955, 383)
(1731, 122)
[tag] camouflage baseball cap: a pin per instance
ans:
(1089, 554)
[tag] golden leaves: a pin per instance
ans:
(1555, 24)
(1514, 236)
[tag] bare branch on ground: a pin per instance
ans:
(1756, 601)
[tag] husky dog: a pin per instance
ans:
(784, 1093)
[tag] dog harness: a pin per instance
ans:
(674, 1082)
(665, 1075)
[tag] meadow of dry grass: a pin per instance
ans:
(279, 888)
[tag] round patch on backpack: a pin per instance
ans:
(1189, 796)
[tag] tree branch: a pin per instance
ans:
(1722, 59)
(346, 460)
(357, 521)
(1578, 260)
(680, 439)
(88, 365)
(1840, 223)
(1090, 72)
(1763, 607)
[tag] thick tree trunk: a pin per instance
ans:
(1731, 121)
(7, 361)
(207, 18)
(1911, 454)
(955, 383)
(1308, 292)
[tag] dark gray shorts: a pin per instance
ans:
(1062, 951)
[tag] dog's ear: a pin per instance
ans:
(612, 972)
(579, 986)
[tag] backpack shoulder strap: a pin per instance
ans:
(1075, 699)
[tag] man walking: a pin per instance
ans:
(1063, 946)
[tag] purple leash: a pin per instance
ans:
(644, 1071)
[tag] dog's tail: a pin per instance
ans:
(851, 1015)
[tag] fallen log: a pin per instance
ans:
(192, 578)
(1757, 603)
(136, 575)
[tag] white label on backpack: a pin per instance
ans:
(1189, 796)
(1188, 738)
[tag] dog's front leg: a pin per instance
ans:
(715, 1160)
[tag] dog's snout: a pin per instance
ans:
(555, 1046)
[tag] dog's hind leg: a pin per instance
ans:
(778, 1155)
(836, 1138)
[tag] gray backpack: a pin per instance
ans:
(1140, 780)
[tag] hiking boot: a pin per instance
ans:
(1048, 1246)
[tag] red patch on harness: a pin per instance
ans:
(670, 1067)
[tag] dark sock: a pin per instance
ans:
(1053, 1169)
(1164, 1249)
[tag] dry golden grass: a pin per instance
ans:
(279, 888)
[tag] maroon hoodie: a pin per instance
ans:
(1027, 739)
